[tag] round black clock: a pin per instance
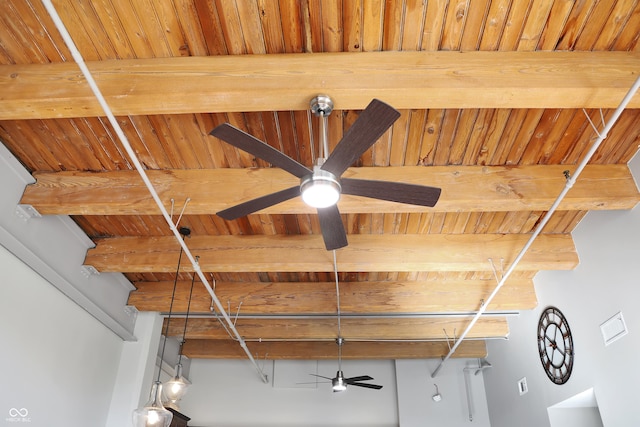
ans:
(555, 345)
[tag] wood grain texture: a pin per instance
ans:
(467, 188)
(242, 83)
(319, 298)
(433, 252)
(365, 328)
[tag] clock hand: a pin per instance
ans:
(552, 342)
(555, 333)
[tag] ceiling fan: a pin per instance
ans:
(339, 382)
(322, 186)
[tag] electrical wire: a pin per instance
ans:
(186, 319)
(166, 329)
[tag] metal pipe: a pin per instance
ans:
(391, 340)
(335, 275)
(324, 137)
(570, 181)
(351, 316)
(467, 386)
(127, 146)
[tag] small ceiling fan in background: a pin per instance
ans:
(339, 382)
(321, 187)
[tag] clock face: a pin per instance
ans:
(555, 345)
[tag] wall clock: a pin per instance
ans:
(555, 345)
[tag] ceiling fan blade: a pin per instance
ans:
(356, 379)
(320, 376)
(372, 123)
(365, 385)
(252, 145)
(332, 228)
(251, 206)
(400, 192)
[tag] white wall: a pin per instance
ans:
(416, 387)
(55, 247)
(605, 282)
(230, 393)
(58, 362)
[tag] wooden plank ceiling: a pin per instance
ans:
(495, 99)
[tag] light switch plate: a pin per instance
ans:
(523, 388)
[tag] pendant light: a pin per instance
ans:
(176, 387)
(153, 413)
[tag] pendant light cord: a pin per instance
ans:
(166, 329)
(186, 319)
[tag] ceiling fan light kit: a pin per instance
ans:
(338, 384)
(321, 189)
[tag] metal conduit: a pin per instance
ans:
(399, 340)
(352, 316)
(570, 181)
(125, 142)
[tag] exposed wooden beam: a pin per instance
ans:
(315, 350)
(369, 328)
(296, 253)
(441, 296)
(464, 188)
(288, 82)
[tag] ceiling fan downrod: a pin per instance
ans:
(321, 188)
(322, 106)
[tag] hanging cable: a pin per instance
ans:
(154, 410)
(175, 388)
(166, 328)
(335, 273)
(186, 319)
